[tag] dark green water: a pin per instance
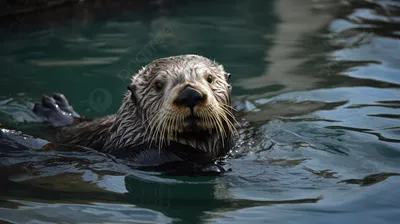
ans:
(319, 83)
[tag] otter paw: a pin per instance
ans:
(212, 170)
(64, 105)
(55, 110)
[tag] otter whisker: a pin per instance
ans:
(208, 120)
(161, 131)
(178, 120)
(212, 118)
(230, 125)
(229, 121)
(164, 130)
(228, 106)
(217, 123)
(153, 124)
(174, 125)
(227, 110)
(151, 118)
(203, 118)
(148, 129)
(209, 116)
(155, 135)
(168, 124)
(221, 115)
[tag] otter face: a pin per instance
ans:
(183, 97)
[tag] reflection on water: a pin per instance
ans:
(316, 85)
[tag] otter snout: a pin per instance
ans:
(189, 97)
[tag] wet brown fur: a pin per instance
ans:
(136, 121)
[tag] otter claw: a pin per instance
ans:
(60, 98)
(55, 110)
(49, 102)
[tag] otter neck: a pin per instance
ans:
(128, 130)
(209, 143)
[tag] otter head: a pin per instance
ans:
(184, 99)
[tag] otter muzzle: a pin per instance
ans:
(189, 97)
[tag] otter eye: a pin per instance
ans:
(158, 85)
(209, 79)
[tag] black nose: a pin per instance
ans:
(189, 97)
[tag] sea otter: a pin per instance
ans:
(174, 107)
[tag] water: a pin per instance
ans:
(318, 84)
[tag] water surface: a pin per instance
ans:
(318, 84)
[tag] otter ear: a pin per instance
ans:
(132, 89)
(228, 76)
